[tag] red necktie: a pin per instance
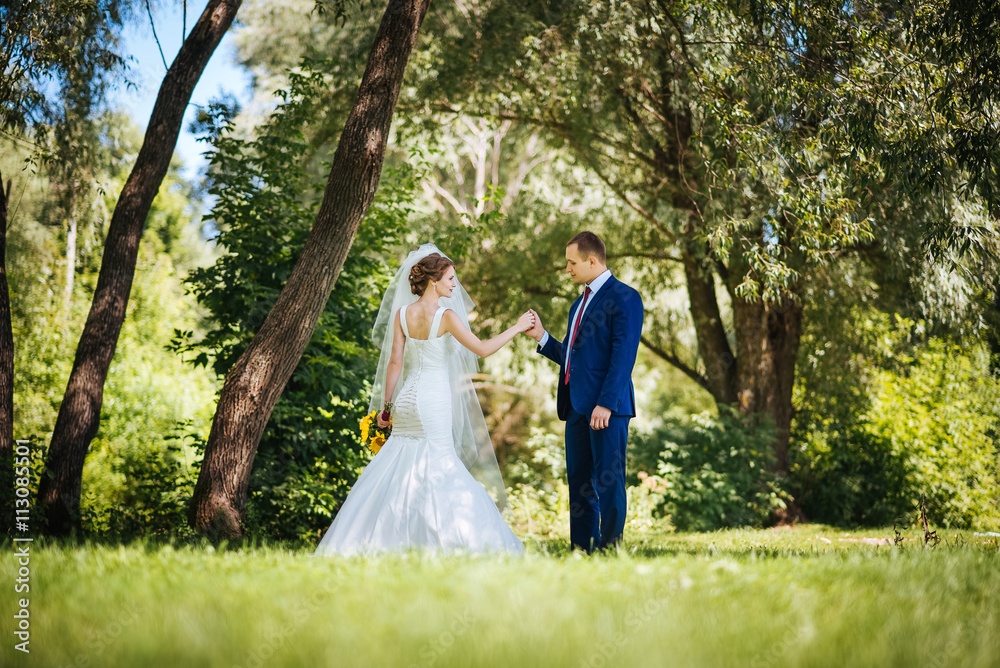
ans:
(576, 329)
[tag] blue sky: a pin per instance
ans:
(222, 75)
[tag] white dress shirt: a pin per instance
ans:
(594, 286)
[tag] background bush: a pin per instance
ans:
(715, 471)
(922, 420)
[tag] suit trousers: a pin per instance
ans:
(595, 468)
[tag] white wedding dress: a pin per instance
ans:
(416, 492)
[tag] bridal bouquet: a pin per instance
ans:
(372, 436)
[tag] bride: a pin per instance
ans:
(430, 484)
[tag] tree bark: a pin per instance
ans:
(710, 330)
(6, 374)
(759, 379)
(768, 345)
(254, 384)
(80, 412)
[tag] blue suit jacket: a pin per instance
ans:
(603, 353)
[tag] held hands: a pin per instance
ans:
(537, 330)
(601, 416)
(526, 322)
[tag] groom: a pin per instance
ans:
(595, 396)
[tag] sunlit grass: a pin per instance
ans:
(797, 597)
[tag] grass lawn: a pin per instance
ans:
(760, 598)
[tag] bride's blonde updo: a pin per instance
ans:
(430, 268)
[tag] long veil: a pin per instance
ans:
(471, 437)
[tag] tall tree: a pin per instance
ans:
(256, 381)
(720, 125)
(80, 411)
(624, 87)
(42, 45)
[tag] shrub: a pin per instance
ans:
(716, 472)
(927, 425)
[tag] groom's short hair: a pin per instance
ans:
(590, 245)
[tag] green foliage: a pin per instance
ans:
(142, 466)
(267, 200)
(715, 472)
(714, 130)
(547, 466)
(142, 488)
(73, 43)
(139, 472)
(921, 421)
(924, 104)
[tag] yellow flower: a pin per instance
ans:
(377, 444)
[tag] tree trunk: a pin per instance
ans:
(254, 384)
(80, 412)
(768, 344)
(710, 330)
(70, 263)
(760, 378)
(6, 375)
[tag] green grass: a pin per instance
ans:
(757, 598)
